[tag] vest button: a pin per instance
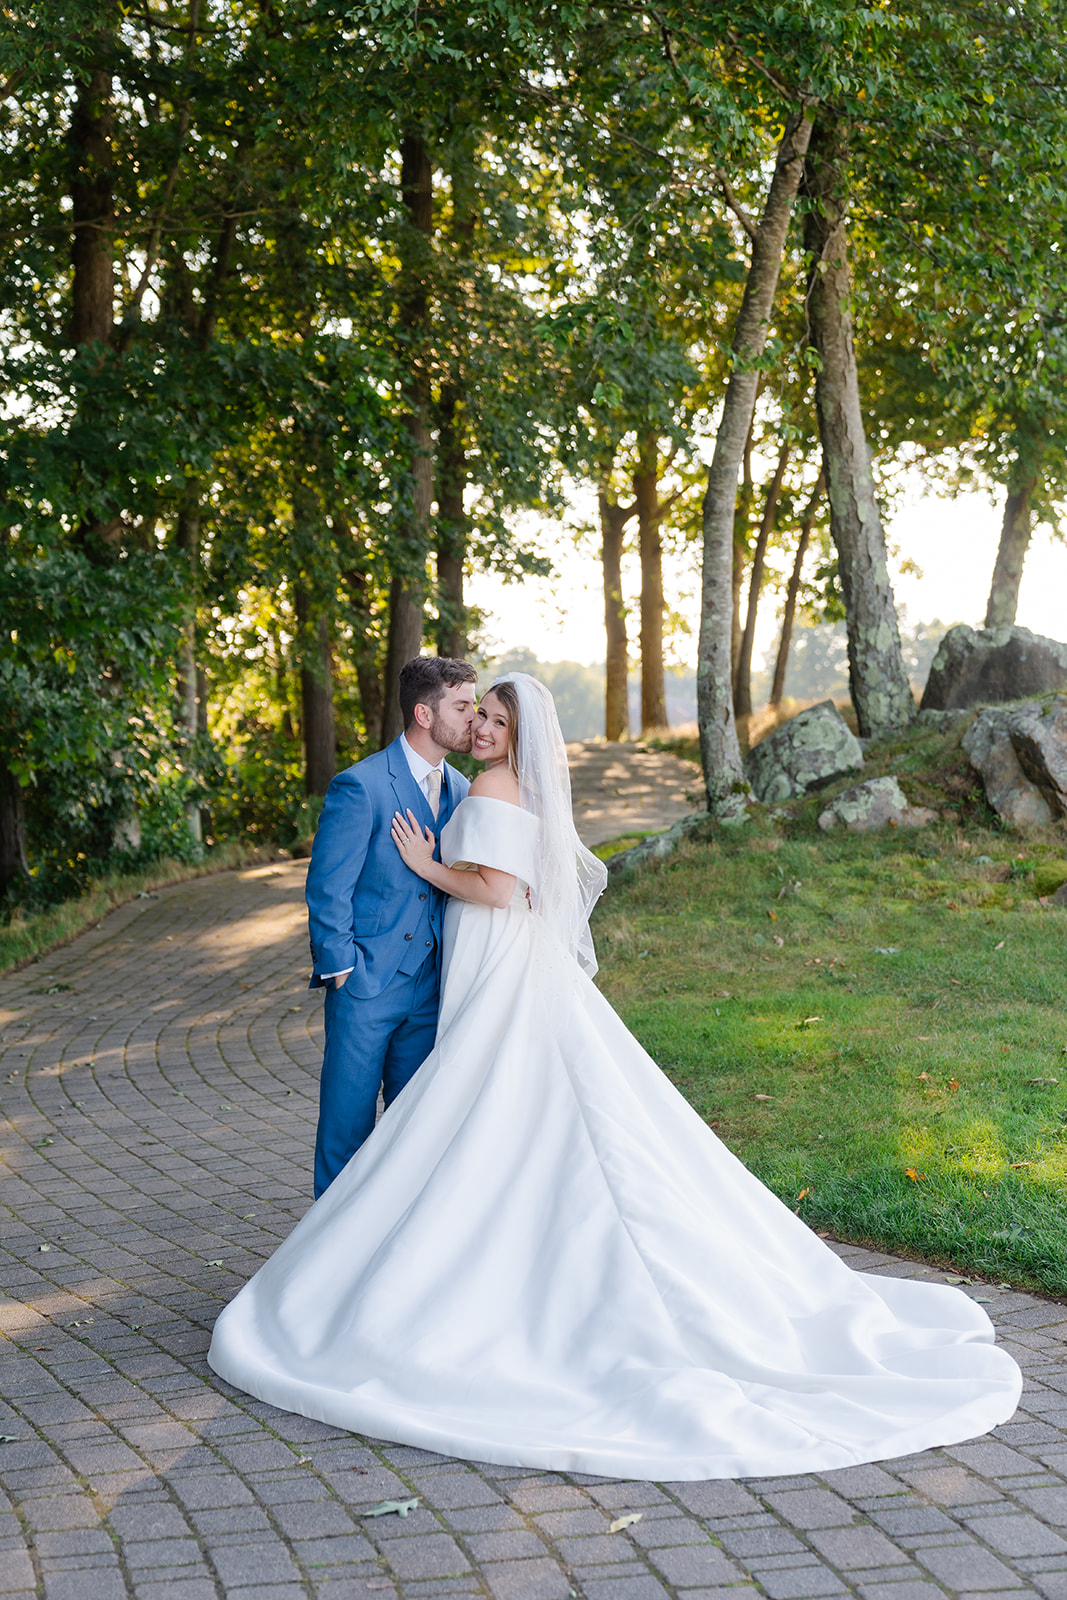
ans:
(429, 944)
(407, 936)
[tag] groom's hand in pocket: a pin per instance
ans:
(341, 978)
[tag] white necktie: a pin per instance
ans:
(433, 790)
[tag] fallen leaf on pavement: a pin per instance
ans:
(625, 1522)
(401, 1507)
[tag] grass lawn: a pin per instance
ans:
(875, 1024)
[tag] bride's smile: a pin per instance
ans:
(490, 732)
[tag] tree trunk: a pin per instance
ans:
(408, 585)
(451, 529)
(790, 611)
(881, 694)
(746, 497)
(646, 499)
(316, 694)
(188, 541)
(92, 212)
(452, 523)
(364, 644)
(13, 863)
(613, 520)
(721, 754)
(405, 642)
(1011, 553)
(743, 684)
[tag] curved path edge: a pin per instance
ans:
(157, 1090)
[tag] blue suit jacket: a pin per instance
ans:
(366, 909)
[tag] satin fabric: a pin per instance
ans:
(542, 1257)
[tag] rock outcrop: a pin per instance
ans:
(1020, 752)
(986, 666)
(808, 751)
(878, 803)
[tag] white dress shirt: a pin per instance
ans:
(419, 767)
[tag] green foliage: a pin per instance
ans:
(873, 1024)
(85, 653)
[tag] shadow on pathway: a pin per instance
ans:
(159, 1081)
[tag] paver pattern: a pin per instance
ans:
(159, 1080)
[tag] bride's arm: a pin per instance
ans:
(485, 886)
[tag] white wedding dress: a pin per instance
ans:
(542, 1257)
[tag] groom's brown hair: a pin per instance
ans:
(424, 680)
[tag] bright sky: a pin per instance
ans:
(953, 542)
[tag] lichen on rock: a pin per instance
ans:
(878, 803)
(808, 751)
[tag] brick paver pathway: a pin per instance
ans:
(158, 1083)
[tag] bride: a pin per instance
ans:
(542, 1257)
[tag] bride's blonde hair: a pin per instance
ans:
(509, 699)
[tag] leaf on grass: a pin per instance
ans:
(957, 981)
(887, 950)
(1016, 1165)
(999, 946)
(803, 1194)
(916, 1177)
(953, 1085)
(625, 1522)
(401, 1507)
(765, 1097)
(773, 915)
(1044, 1083)
(807, 1022)
(924, 1077)
(779, 941)
(924, 1038)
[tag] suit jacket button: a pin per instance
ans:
(422, 897)
(429, 944)
(407, 936)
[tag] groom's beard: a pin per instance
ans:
(448, 739)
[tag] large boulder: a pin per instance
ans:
(1039, 735)
(990, 746)
(807, 752)
(986, 666)
(878, 803)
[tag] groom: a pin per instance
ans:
(376, 927)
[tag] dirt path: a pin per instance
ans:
(628, 788)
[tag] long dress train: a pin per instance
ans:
(543, 1257)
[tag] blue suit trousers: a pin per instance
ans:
(371, 1044)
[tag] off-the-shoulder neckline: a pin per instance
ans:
(493, 800)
